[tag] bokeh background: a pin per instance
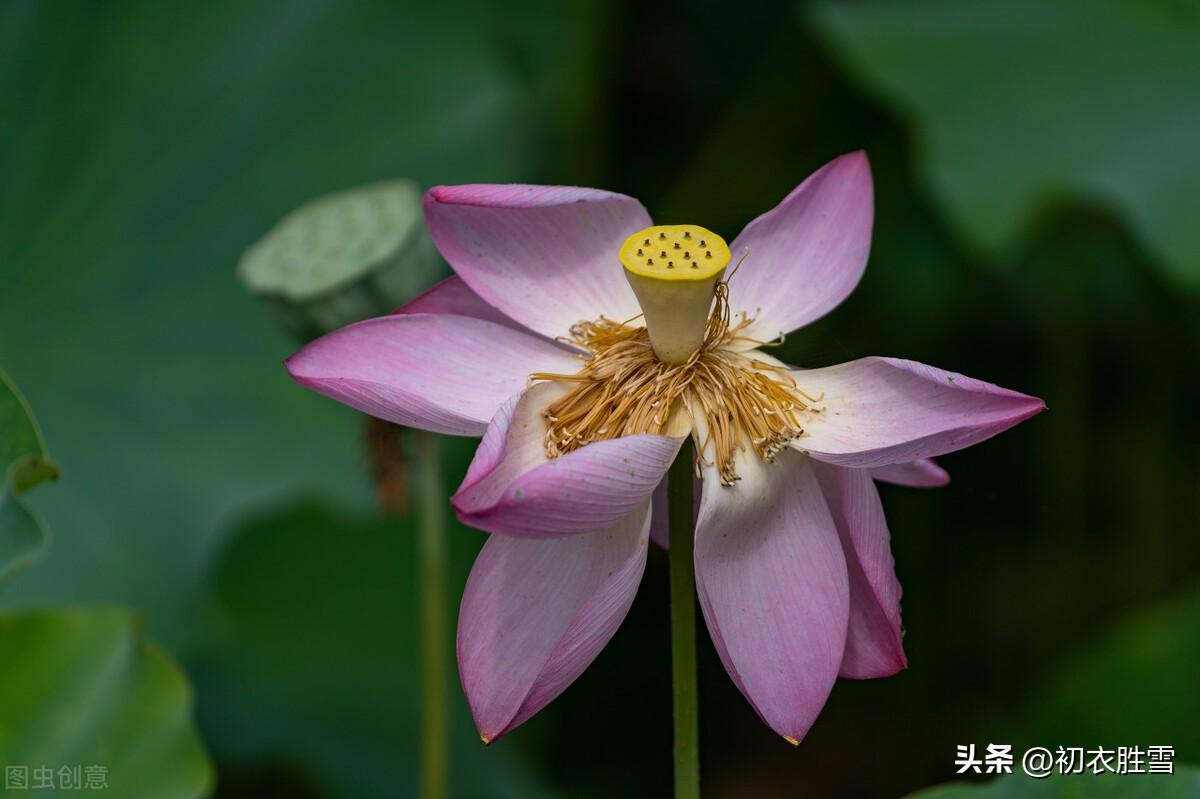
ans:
(1037, 175)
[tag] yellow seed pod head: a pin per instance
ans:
(675, 252)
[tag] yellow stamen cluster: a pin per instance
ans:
(625, 389)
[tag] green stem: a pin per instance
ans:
(431, 527)
(683, 626)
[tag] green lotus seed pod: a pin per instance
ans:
(343, 257)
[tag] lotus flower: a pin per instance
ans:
(584, 378)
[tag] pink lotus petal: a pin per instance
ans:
(453, 296)
(805, 256)
(923, 473)
(880, 411)
(874, 647)
(512, 487)
(536, 613)
(447, 374)
(545, 256)
(772, 583)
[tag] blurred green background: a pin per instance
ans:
(1037, 175)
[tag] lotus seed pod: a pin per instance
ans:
(672, 269)
(343, 257)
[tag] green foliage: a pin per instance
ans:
(1019, 105)
(309, 660)
(21, 447)
(1136, 685)
(1183, 784)
(24, 464)
(81, 687)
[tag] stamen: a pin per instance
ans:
(625, 389)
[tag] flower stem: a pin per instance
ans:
(683, 625)
(431, 533)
